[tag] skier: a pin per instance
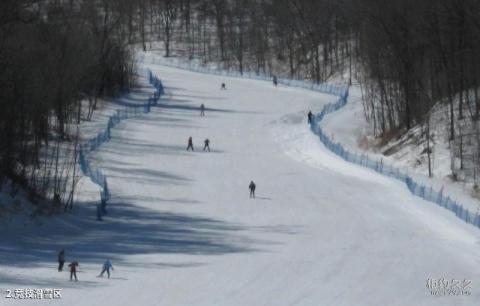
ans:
(73, 270)
(107, 265)
(202, 110)
(223, 87)
(207, 145)
(252, 187)
(61, 260)
(310, 117)
(275, 80)
(190, 143)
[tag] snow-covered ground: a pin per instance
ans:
(182, 229)
(349, 127)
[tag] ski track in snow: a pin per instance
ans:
(183, 231)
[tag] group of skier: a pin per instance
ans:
(107, 265)
(206, 142)
(205, 147)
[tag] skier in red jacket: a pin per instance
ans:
(73, 270)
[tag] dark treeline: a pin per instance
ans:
(292, 37)
(53, 56)
(417, 55)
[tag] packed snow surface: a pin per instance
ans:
(182, 229)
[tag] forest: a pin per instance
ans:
(59, 58)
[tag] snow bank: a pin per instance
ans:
(419, 189)
(130, 110)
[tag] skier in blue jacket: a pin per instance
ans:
(107, 265)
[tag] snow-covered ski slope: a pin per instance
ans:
(182, 230)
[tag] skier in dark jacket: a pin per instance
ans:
(223, 87)
(107, 265)
(310, 117)
(202, 110)
(252, 187)
(275, 80)
(73, 270)
(207, 145)
(190, 144)
(61, 260)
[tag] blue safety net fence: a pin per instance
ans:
(421, 190)
(128, 111)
